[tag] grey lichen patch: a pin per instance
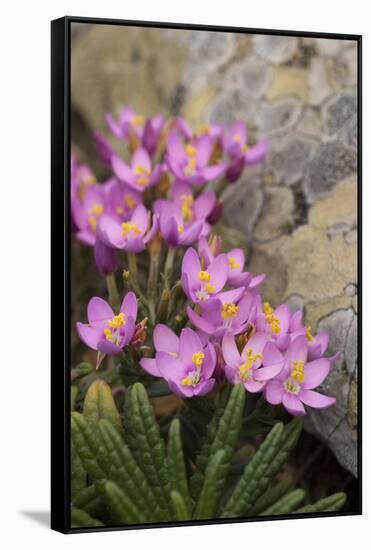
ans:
(229, 105)
(310, 123)
(351, 347)
(279, 116)
(276, 217)
(328, 46)
(276, 49)
(337, 113)
(251, 75)
(330, 164)
(289, 156)
(243, 202)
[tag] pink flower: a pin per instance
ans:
(258, 362)
(131, 235)
(185, 363)
(139, 175)
(202, 284)
(293, 386)
(106, 332)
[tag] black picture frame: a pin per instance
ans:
(60, 265)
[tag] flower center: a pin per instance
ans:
(129, 227)
(204, 276)
(191, 166)
(95, 211)
(190, 150)
(187, 202)
(237, 138)
(291, 386)
(111, 332)
(308, 334)
(180, 229)
(229, 310)
(142, 174)
(251, 359)
(198, 359)
(298, 371)
(272, 319)
(129, 201)
(137, 120)
(233, 264)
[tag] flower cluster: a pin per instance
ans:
(208, 322)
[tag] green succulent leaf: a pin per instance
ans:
(176, 464)
(99, 403)
(128, 476)
(146, 444)
(332, 503)
(213, 483)
(223, 433)
(89, 448)
(80, 518)
(271, 496)
(123, 509)
(285, 504)
(78, 473)
(180, 507)
(74, 394)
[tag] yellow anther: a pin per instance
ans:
(120, 210)
(291, 386)
(271, 318)
(89, 180)
(249, 363)
(187, 213)
(137, 120)
(186, 381)
(117, 321)
(204, 276)
(298, 371)
(180, 229)
(108, 334)
(129, 201)
(308, 334)
(96, 209)
(198, 359)
(245, 148)
(237, 138)
(229, 310)
(233, 264)
(140, 169)
(210, 289)
(190, 168)
(129, 227)
(190, 150)
(92, 221)
(203, 130)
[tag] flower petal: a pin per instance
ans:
(230, 350)
(88, 335)
(315, 373)
(129, 305)
(165, 339)
(171, 368)
(189, 343)
(273, 392)
(150, 366)
(316, 400)
(293, 404)
(99, 310)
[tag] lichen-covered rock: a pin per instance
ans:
(276, 49)
(337, 113)
(279, 116)
(332, 162)
(304, 269)
(289, 157)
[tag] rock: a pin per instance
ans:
(242, 205)
(326, 76)
(289, 156)
(337, 113)
(278, 117)
(330, 164)
(110, 66)
(303, 269)
(251, 75)
(276, 49)
(276, 217)
(230, 105)
(328, 46)
(310, 123)
(288, 81)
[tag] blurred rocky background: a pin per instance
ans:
(298, 212)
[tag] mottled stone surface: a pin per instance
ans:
(298, 211)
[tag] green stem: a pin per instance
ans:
(169, 263)
(133, 267)
(113, 292)
(154, 266)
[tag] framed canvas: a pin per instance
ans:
(206, 268)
